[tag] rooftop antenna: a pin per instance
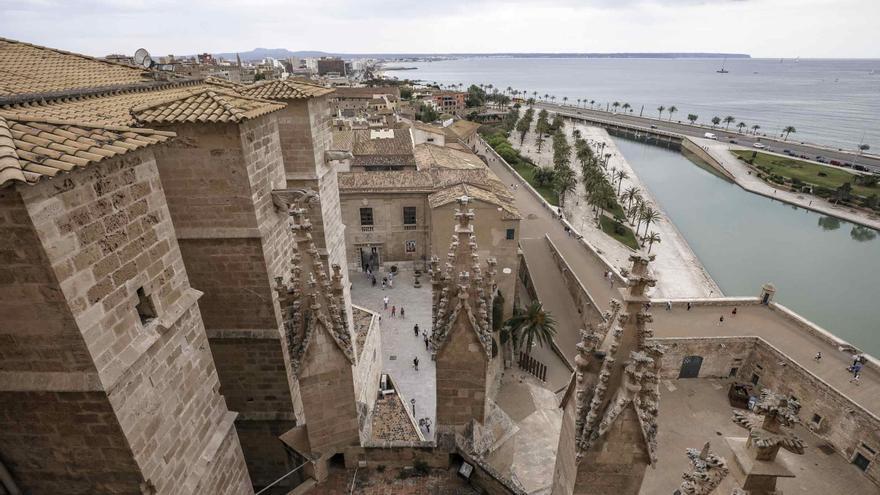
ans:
(142, 58)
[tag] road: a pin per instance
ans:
(811, 151)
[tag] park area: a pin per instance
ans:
(797, 172)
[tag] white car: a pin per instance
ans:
(709, 135)
(760, 146)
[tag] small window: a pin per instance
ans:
(409, 215)
(817, 419)
(145, 308)
(869, 449)
(733, 372)
(861, 462)
(366, 216)
(511, 234)
(755, 379)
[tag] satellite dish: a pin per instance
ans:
(142, 58)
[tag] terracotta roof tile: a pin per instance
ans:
(34, 147)
(30, 69)
(430, 156)
(284, 89)
(203, 105)
(462, 129)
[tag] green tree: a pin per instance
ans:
(693, 118)
(672, 110)
(755, 129)
(621, 176)
(564, 181)
(615, 105)
(660, 111)
(544, 176)
(715, 121)
(843, 193)
(648, 215)
(476, 97)
(741, 126)
(651, 239)
(788, 130)
(863, 148)
(626, 107)
(534, 325)
(729, 120)
(427, 113)
(406, 92)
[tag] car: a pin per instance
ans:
(860, 168)
(836, 163)
(709, 135)
(733, 141)
(805, 157)
(760, 146)
(787, 152)
(847, 164)
(653, 126)
(821, 159)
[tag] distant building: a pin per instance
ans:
(449, 101)
(206, 58)
(331, 65)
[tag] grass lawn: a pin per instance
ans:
(807, 172)
(627, 238)
(528, 173)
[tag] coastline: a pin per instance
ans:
(679, 271)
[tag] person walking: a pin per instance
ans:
(689, 305)
(416, 363)
(402, 314)
(416, 329)
(668, 305)
(373, 280)
(818, 356)
(855, 379)
(385, 301)
(857, 369)
(734, 311)
(721, 320)
(384, 283)
(426, 343)
(390, 282)
(393, 311)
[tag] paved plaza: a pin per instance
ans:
(399, 345)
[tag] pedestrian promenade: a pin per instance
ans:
(758, 321)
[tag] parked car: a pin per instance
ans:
(653, 126)
(821, 159)
(805, 157)
(788, 152)
(760, 146)
(836, 163)
(733, 141)
(847, 164)
(709, 135)
(860, 168)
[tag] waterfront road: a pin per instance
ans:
(811, 151)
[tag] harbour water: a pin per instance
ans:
(823, 268)
(833, 102)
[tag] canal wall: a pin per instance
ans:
(704, 155)
(587, 307)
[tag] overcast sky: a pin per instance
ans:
(762, 28)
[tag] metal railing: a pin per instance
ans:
(532, 366)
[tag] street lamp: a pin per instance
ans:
(413, 402)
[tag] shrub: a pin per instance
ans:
(421, 467)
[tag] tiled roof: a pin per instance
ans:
(462, 129)
(366, 92)
(284, 89)
(364, 144)
(430, 156)
(111, 108)
(29, 69)
(387, 181)
(450, 194)
(342, 140)
(32, 147)
(203, 105)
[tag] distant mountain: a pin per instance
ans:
(282, 53)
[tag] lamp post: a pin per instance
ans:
(413, 402)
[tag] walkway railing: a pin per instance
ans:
(533, 366)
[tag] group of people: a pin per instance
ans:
(386, 300)
(387, 280)
(856, 368)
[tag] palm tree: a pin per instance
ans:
(546, 97)
(693, 118)
(651, 239)
(592, 102)
(715, 121)
(729, 120)
(564, 182)
(863, 148)
(630, 194)
(755, 129)
(649, 215)
(615, 105)
(564, 100)
(672, 110)
(741, 126)
(621, 176)
(626, 106)
(660, 111)
(529, 326)
(579, 102)
(788, 130)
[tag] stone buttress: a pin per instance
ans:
(319, 344)
(609, 431)
(461, 327)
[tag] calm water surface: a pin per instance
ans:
(825, 269)
(834, 102)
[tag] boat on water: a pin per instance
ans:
(722, 70)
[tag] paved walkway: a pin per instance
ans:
(772, 326)
(751, 182)
(399, 345)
